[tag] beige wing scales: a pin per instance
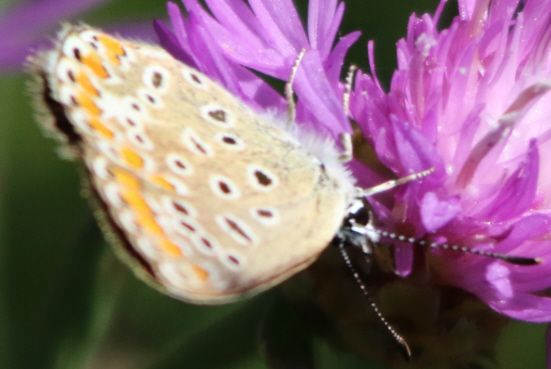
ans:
(214, 200)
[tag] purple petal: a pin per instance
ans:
(261, 51)
(282, 22)
(524, 306)
(310, 81)
(335, 61)
(436, 213)
(517, 194)
(169, 42)
(416, 152)
(498, 276)
(324, 19)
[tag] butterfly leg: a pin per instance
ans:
(347, 153)
(385, 186)
(349, 81)
(345, 138)
(289, 93)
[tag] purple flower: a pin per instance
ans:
(22, 26)
(267, 37)
(472, 102)
(25, 27)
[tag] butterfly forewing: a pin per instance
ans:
(214, 200)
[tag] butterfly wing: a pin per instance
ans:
(207, 200)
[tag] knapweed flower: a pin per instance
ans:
(23, 26)
(26, 25)
(472, 102)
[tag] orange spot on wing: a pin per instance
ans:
(126, 179)
(148, 222)
(86, 102)
(135, 200)
(161, 181)
(170, 248)
(132, 196)
(84, 82)
(97, 126)
(132, 157)
(93, 61)
(113, 47)
(201, 273)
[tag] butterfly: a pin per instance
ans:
(205, 199)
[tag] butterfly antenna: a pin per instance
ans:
(397, 337)
(518, 260)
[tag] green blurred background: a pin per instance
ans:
(67, 303)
